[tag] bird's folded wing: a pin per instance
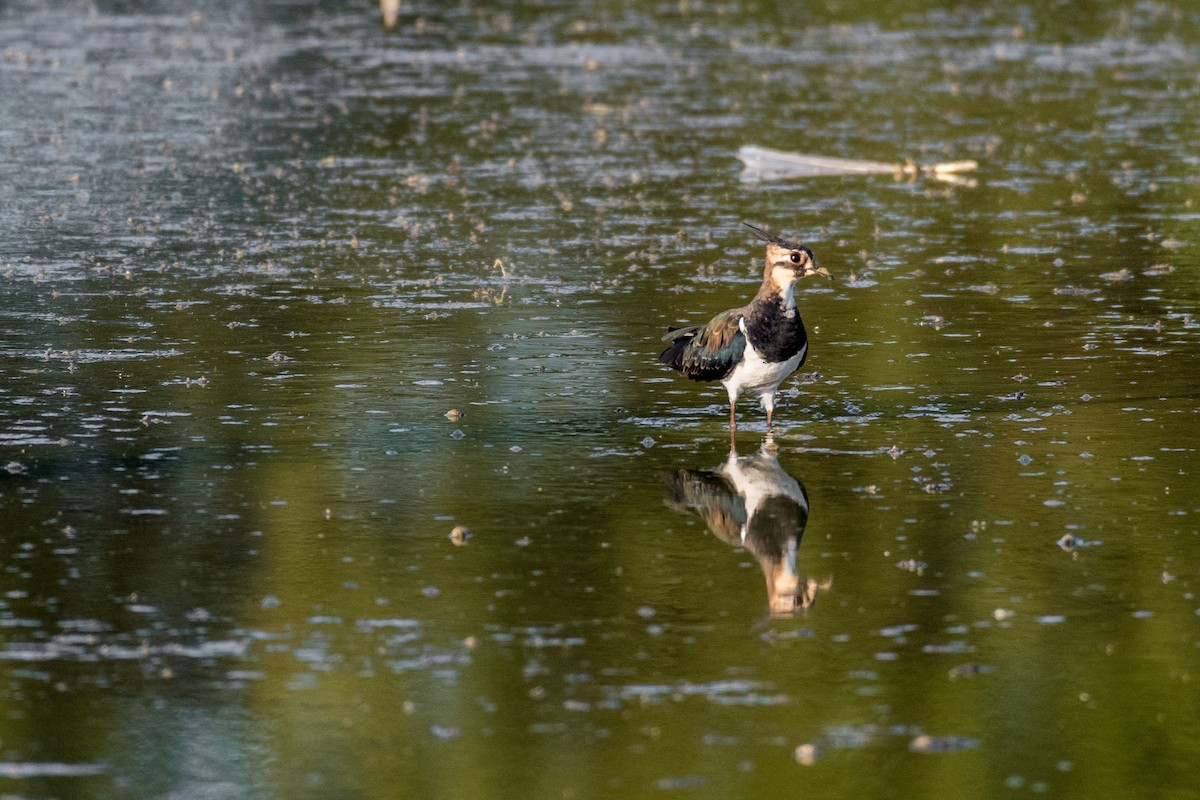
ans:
(706, 352)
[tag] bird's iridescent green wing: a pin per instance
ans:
(706, 352)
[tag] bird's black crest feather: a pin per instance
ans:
(770, 237)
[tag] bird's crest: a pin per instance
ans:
(769, 237)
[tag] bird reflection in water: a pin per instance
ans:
(752, 502)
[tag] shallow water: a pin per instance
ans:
(253, 254)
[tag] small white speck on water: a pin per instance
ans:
(444, 732)
(648, 442)
(457, 434)
(807, 754)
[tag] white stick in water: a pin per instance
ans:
(764, 164)
(391, 12)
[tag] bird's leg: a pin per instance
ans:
(769, 411)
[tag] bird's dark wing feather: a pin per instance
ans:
(706, 352)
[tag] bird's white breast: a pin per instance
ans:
(758, 376)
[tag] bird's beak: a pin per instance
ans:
(815, 270)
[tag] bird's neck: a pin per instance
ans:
(779, 289)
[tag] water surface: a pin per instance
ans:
(253, 254)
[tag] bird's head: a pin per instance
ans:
(788, 259)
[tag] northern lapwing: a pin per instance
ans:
(751, 349)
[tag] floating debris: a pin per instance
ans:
(459, 534)
(1118, 276)
(454, 415)
(933, 321)
(764, 164)
(970, 671)
(941, 744)
(1069, 542)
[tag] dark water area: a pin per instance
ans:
(335, 460)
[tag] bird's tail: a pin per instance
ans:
(678, 339)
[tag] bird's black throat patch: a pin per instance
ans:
(775, 334)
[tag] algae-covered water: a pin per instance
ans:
(287, 297)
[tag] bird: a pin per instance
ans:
(751, 349)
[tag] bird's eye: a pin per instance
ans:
(795, 258)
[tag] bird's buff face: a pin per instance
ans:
(788, 264)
